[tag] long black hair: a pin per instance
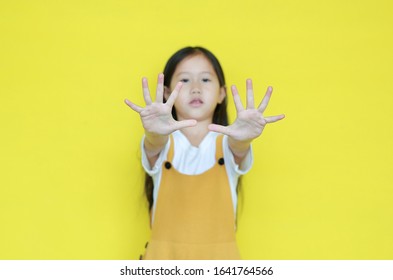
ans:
(220, 115)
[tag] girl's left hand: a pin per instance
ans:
(250, 121)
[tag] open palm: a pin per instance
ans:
(250, 121)
(156, 116)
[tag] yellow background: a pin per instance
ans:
(71, 180)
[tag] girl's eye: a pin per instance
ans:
(184, 80)
(205, 80)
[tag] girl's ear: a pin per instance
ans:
(167, 92)
(223, 94)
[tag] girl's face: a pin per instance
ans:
(201, 91)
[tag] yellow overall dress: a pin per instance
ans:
(194, 217)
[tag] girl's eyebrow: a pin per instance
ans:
(186, 72)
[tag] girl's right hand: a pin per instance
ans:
(157, 116)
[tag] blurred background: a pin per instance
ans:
(71, 183)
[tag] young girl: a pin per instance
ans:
(194, 159)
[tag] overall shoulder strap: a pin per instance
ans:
(171, 149)
(219, 150)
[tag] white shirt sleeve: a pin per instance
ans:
(234, 171)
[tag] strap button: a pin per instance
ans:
(221, 161)
(168, 165)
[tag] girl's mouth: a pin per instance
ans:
(196, 102)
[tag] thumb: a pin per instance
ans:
(184, 124)
(219, 128)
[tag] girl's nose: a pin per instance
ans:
(195, 88)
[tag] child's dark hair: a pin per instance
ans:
(220, 115)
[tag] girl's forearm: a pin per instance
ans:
(153, 145)
(239, 149)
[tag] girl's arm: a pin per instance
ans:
(153, 146)
(239, 149)
(249, 123)
(157, 118)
